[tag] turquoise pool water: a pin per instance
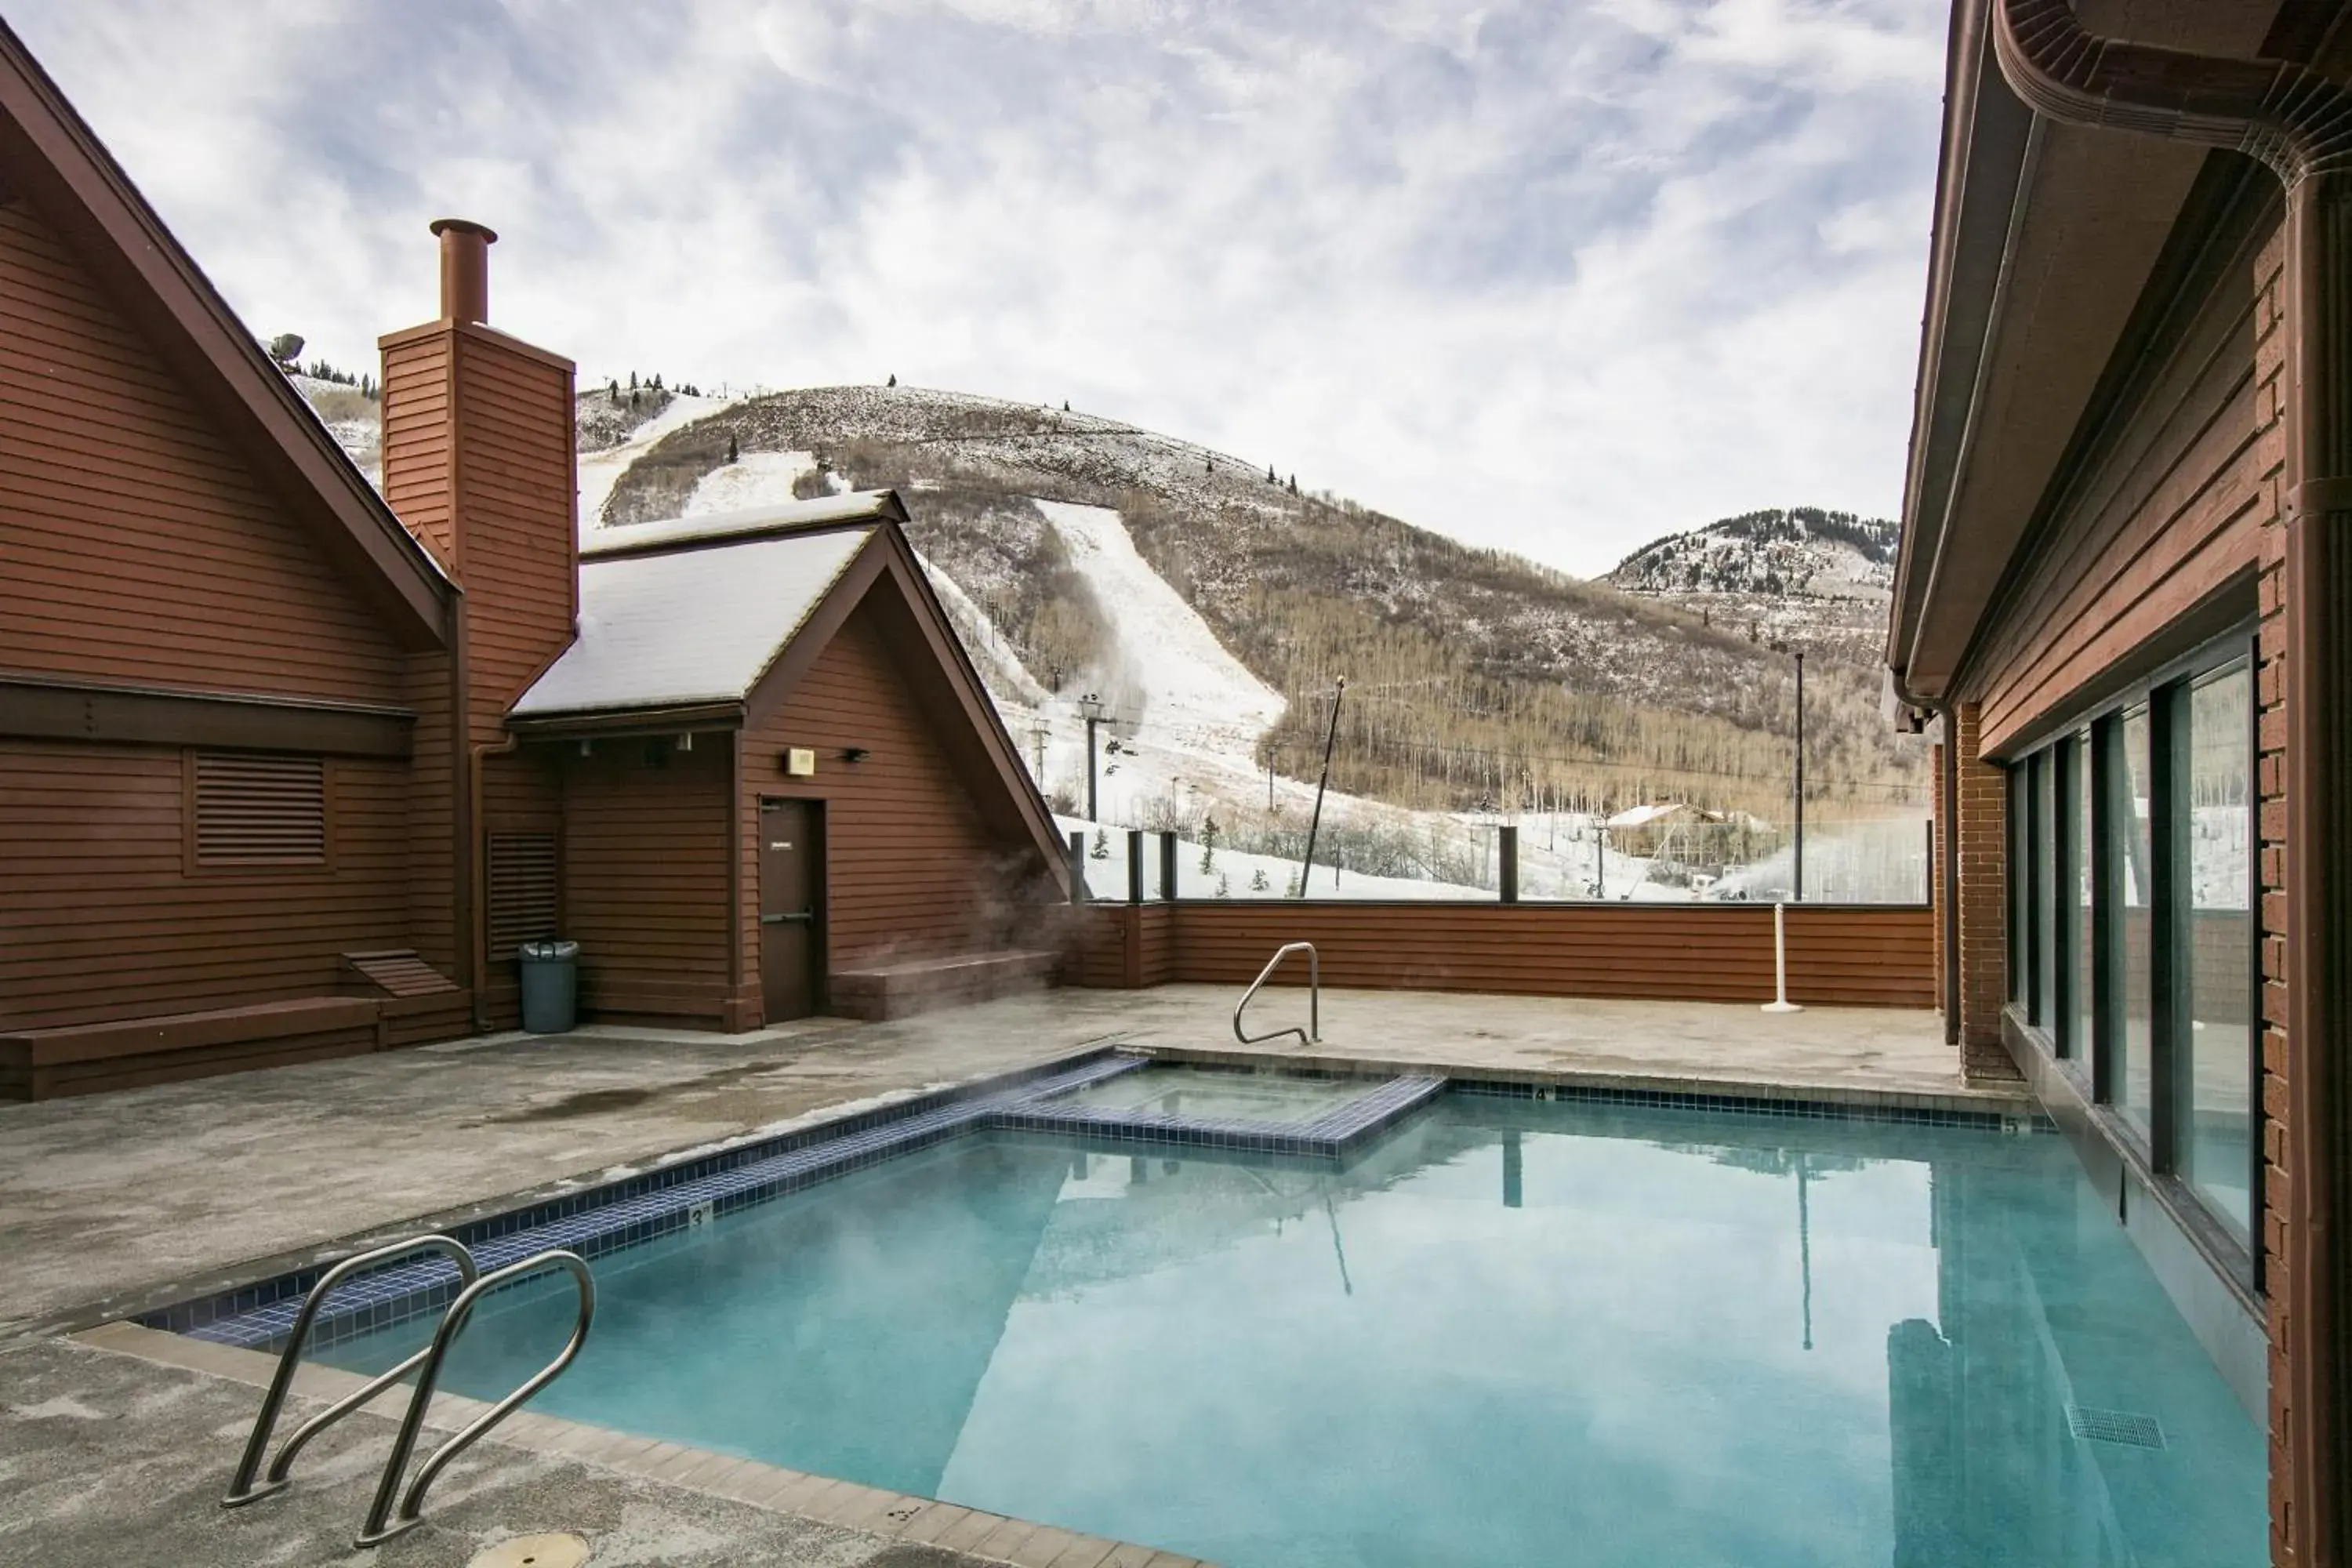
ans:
(1511, 1333)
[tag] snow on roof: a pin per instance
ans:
(690, 625)
(1642, 815)
(857, 506)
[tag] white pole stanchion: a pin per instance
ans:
(1780, 1003)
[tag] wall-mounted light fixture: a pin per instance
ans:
(800, 763)
(686, 741)
(855, 753)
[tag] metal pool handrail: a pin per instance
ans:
(1313, 1034)
(382, 1524)
(241, 1490)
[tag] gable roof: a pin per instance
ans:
(688, 627)
(715, 620)
(49, 156)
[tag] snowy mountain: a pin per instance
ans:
(1204, 606)
(1819, 580)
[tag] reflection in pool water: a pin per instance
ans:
(1510, 1333)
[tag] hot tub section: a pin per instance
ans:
(1261, 1112)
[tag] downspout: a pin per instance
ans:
(1947, 715)
(1948, 914)
(2298, 123)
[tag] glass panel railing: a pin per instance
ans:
(1657, 858)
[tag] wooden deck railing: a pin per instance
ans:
(1839, 954)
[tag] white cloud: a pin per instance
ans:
(1558, 278)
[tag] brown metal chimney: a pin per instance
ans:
(465, 270)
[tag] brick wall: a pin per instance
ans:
(2270, 697)
(1981, 819)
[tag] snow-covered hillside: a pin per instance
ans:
(1817, 579)
(1202, 608)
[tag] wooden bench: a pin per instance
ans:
(393, 998)
(83, 1059)
(899, 987)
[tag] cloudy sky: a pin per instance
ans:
(1559, 276)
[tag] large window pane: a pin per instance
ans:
(2082, 990)
(2048, 1006)
(2215, 1077)
(2021, 880)
(2135, 926)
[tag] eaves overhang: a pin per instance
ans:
(2046, 238)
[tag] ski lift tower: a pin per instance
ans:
(1092, 708)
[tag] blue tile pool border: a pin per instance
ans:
(632, 1210)
(1791, 1106)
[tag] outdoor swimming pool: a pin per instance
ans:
(1506, 1332)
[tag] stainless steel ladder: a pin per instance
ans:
(1313, 1034)
(241, 1488)
(382, 1522)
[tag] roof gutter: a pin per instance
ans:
(2298, 123)
(1947, 910)
(1968, 436)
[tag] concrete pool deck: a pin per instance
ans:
(120, 1203)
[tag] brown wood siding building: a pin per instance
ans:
(139, 547)
(216, 647)
(645, 877)
(910, 867)
(2157, 529)
(103, 915)
(147, 558)
(2122, 593)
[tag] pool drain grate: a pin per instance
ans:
(2127, 1427)
(560, 1549)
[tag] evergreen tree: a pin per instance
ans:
(893, 381)
(1208, 846)
(1224, 886)
(1101, 851)
(1258, 884)
(1065, 406)
(633, 385)
(733, 451)
(1269, 475)
(1294, 484)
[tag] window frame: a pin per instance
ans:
(2038, 779)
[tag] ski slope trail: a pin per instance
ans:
(754, 479)
(1186, 692)
(600, 471)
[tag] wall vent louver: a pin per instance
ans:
(260, 810)
(522, 890)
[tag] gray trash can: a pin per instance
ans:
(551, 985)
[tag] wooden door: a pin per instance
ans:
(791, 908)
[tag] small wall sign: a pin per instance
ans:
(800, 762)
